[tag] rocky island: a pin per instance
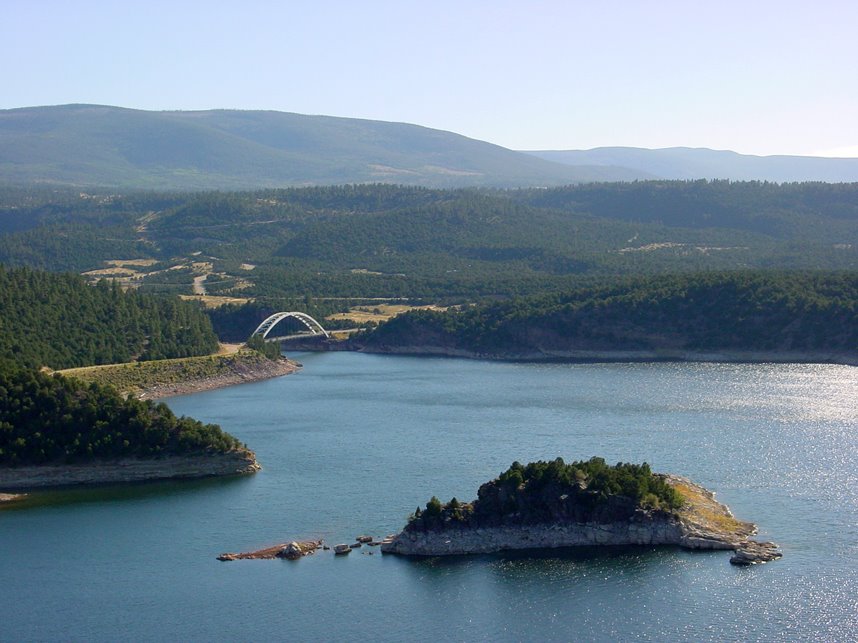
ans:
(588, 503)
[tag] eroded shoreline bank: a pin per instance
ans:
(166, 378)
(237, 373)
(619, 356)
(201, 465)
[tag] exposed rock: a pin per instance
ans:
(341, 549)
(430, 346)
(752, 552)
(364, 539)
(202, 465)
(238, 369)
(292, 551)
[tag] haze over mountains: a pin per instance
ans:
(101, 146)
(703, 163)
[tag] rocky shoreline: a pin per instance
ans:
(659, 355)
(703, 523)
(238, 462)
(239, 373)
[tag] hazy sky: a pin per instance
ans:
(756, 77)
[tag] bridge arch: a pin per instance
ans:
(312, 325)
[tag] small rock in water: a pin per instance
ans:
(364, 539)
(292, 551)
(752, 552)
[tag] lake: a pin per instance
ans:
(353, 443)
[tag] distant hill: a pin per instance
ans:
(702, 163)
(91, 145)
(810, 313)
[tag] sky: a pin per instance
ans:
(755, 77)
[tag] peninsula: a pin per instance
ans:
(57, 431)
(587, 503)
(156, 379)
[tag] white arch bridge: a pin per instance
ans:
(314, 327)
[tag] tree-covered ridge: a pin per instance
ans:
(395, 241)
(51, 419)
(780, 210)
(751, 311)
(553, 491)
(60, 321)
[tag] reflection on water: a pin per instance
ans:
(105, 493)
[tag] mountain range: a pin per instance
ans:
(103, 146)
(703, 163)
(92, 145)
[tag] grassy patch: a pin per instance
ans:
(703, 510)
(380, 313)
(136, 377)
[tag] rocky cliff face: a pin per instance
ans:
(130, 470)
(641, 530)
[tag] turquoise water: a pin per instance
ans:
(353, 443)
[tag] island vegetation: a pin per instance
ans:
(553, 491)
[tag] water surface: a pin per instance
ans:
(353, 443)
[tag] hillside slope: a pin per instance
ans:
(92, 145)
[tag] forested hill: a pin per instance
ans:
(60, 321)
(397, 241)
(756, 312)
(56, 420)
(96, 145)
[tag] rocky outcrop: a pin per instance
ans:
(643, 529)
(290, 551)
(202, 465)
(752, 552)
